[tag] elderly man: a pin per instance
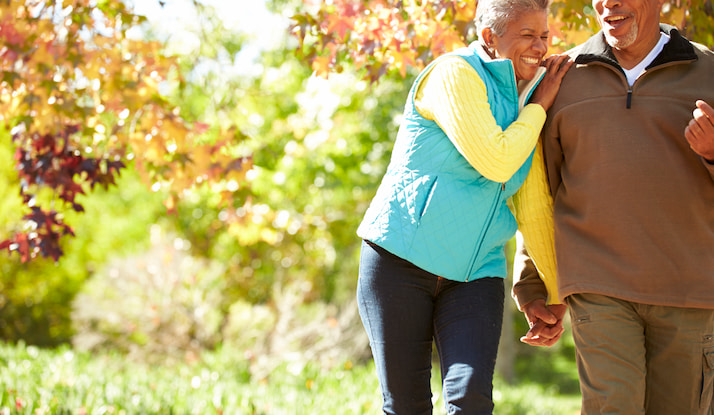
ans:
(629, 151)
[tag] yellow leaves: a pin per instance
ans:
(445, 40)
(175, 157)
(322, 65)
(676, 15)
(465, 12)
(249, 227)
(402, 60)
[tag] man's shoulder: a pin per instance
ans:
(702, 50)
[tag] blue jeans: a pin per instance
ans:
(404, 309)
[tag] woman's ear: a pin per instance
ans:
(488, 39)
(487, 36)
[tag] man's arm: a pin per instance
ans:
(527, 284)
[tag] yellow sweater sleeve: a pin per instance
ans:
(533, 208)
(454, 96)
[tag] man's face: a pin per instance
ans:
(627, 24)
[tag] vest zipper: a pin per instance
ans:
(491, 213)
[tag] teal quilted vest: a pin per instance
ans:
(432, 207)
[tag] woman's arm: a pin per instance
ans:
(533, 208)
(453, 95)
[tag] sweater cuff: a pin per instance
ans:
(524, 292)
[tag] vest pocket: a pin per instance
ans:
(427, 200)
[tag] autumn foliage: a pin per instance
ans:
(390, 36)
(379, 35)
(82, 99)
(83, 94)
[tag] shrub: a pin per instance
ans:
(162, 303)
(292, 331)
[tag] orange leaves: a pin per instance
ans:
(322, 65)
(340, 26)
(381, 35)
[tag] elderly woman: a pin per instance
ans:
(433, 259)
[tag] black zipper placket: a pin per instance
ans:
(629, 96)
(499, 194)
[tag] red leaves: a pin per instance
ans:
(46, 229)
(9, 35)
(49, 161)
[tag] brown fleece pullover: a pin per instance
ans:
(633, 204)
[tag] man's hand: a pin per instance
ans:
(546, 323)
(700, 131)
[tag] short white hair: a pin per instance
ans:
(496, 14)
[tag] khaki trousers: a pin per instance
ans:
(642, 359)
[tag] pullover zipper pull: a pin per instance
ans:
(629, 98)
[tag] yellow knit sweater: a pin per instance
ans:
(454, 96)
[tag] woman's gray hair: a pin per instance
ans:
(496, 14)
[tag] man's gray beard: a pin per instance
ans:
(625, 41)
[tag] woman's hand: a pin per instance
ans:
(545, 322)
(556, 66)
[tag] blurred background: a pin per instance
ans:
(181, 184)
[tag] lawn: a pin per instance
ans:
(62, 381)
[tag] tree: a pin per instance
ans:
(382, 36)
(82, 98)
(318, 148)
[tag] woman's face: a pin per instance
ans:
(525, 43)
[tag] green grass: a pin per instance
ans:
(61, 381)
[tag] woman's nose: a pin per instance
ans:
(541, 45)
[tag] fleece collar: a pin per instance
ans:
(596, 49)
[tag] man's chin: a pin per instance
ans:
(620, 42)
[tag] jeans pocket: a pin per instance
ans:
(707, 395)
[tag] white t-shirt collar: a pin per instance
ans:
(639, 69)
